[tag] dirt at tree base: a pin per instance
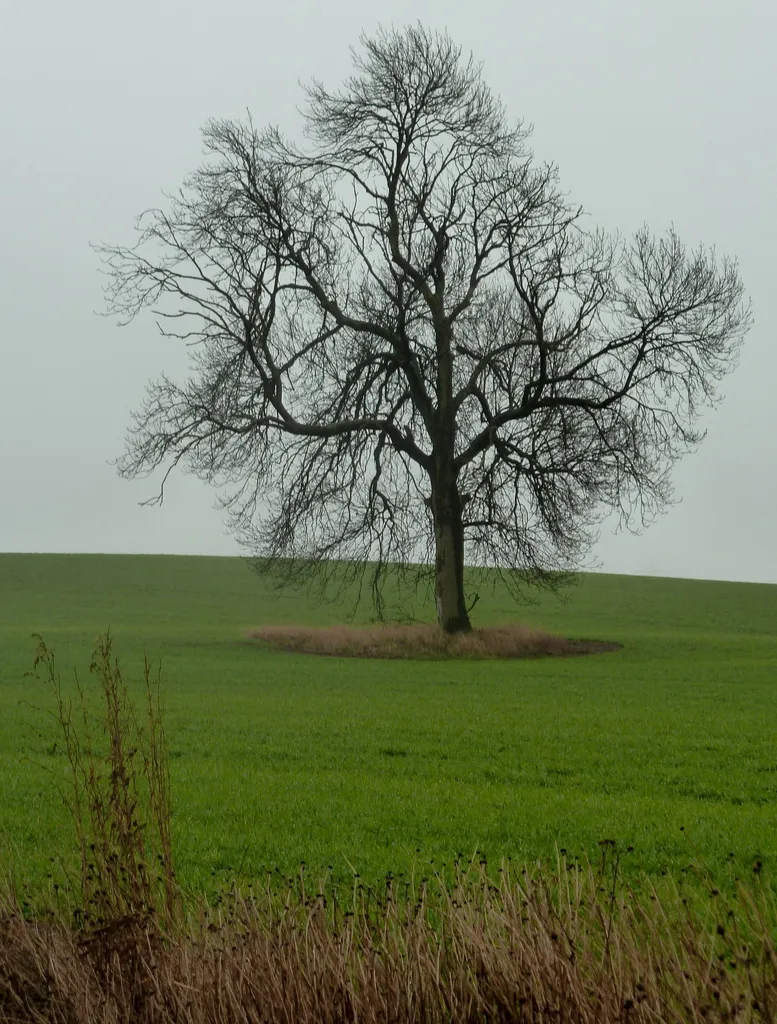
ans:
(426, 642)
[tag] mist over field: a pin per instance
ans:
(654, 114)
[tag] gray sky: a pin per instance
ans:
(659, 112)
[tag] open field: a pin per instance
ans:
(667, 745)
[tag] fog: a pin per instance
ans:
(656, 113)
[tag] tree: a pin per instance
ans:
(407, 344)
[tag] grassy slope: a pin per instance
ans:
(668, 745)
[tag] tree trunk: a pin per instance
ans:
(446, 500)
(449, 562)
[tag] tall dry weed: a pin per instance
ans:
(118, 793)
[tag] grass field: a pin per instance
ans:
(667, 746)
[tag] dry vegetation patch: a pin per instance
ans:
(569, 945)
(513, 640)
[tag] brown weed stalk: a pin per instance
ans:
(118, 796)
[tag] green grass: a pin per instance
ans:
(667, 745)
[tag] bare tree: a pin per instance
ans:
(407, 346)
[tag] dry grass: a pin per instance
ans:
(564, 946)
(513, 640)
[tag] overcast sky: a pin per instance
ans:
(660, 112)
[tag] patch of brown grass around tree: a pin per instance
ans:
(513, 640)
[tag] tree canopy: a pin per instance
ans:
(409, 349)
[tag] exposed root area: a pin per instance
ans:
(513, 640)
